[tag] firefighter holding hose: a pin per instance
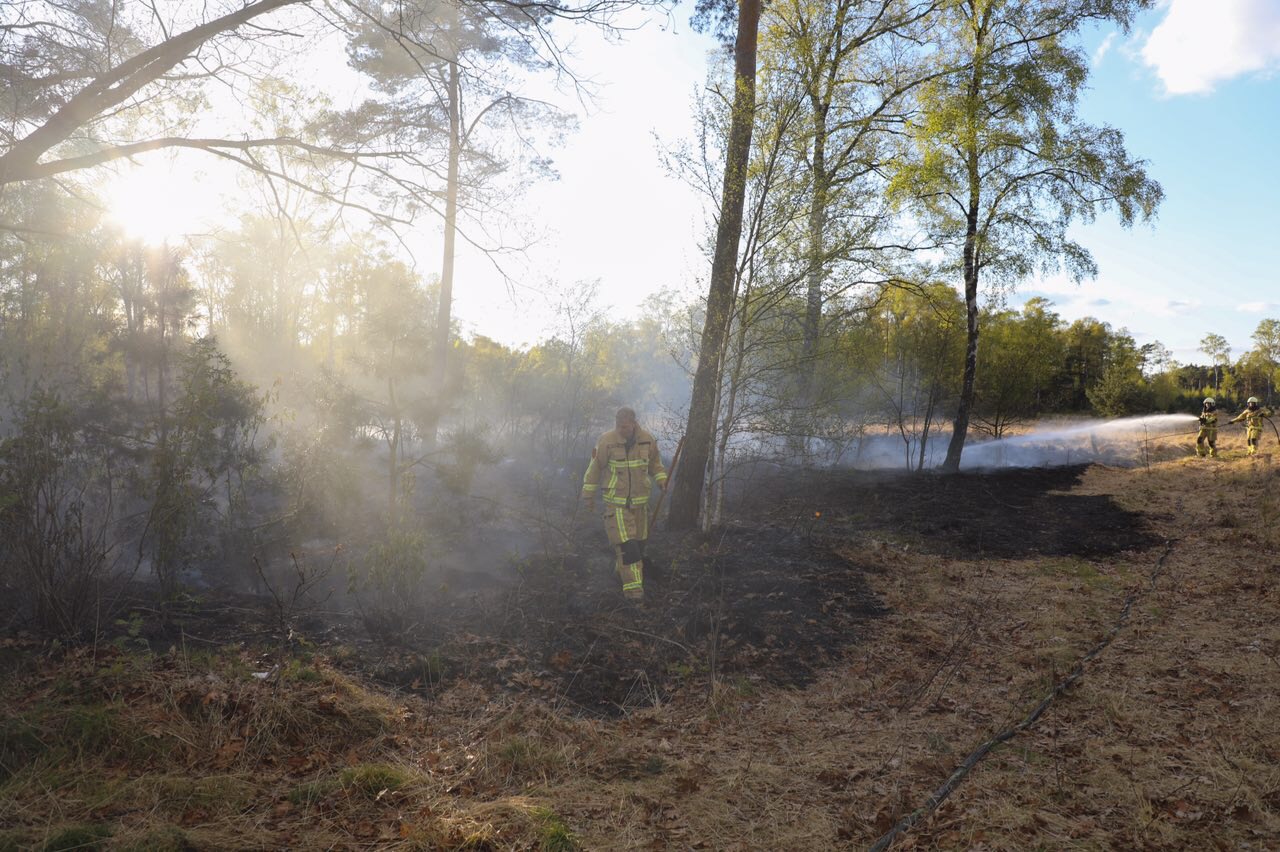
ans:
(624, 465)
(1208, 434)
(1252, 416)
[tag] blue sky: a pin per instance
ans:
(1194, 87)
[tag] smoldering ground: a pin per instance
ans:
(527, 602)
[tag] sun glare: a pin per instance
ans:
(158, 203)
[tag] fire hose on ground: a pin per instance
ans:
(975, 757)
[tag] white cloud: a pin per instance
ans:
(1257, 307)
(1103, 49)
(1200, 44)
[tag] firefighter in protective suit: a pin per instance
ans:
(1252, 417)
(1208, 433)
(624, 465)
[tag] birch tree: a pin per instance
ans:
(999, 165)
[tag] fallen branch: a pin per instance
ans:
(975, 757)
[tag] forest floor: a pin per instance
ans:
(805, 678)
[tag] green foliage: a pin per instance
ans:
(1018, 363)
(908, 351)
(58, 491)
(205, 439)
(1122, 389)
(389, 583)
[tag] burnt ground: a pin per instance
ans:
(1006, 514)
(755, 603)
(770, 599)
(864, 638)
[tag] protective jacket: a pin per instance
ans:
(624, 471)
(1253, 425)
(1253, 419)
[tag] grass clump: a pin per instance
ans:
(311, 792)
(214, 793)
(14, 840)
(85, 838)
(553, 834)
(372, 779)
(165, 838)
(369, 780)
(520, 756)
(20, 743)
(299, 672)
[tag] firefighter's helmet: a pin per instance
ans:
(1253, 400)
(1209, 403)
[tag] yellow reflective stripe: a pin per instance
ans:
(637, 579)
(661, 477)
(622, 524)
(622, 501)
(590, 487)
(614, 464)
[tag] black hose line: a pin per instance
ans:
(940, 795)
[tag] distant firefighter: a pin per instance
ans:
(622, 465)
(1208, 434)
(1252, 417)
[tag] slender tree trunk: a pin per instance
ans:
(730, 410)
(699, 433)
(960, 428)
(930, 405)
(817, 250)
(444, 315)
(393, 457)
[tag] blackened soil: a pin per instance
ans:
(1010, 514)
(772, 598)
(750, 605)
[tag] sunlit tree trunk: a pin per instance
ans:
(699, 434)
(445, 311)
(971, 266)
(817, 255)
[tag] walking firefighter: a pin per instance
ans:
(1208, 433)
(1253, 416)
(624, 465)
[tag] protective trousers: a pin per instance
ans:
(1252, 434)
(627, 528)
(1207, 435)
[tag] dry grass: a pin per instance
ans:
(110, 750)
(1169, 741)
